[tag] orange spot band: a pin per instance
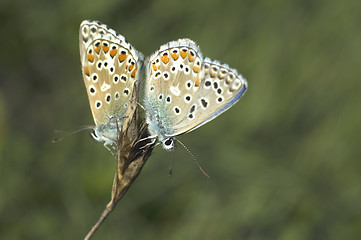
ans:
(105, 48)
(133, 73)
(97, 49)
(183, 54)
(196, 68)
(90, 57)
(198, 81)
(175, 56)
(190, 57)
(113, 52)
(165, 59)
(122, 57)
(131, 67)
(86, 70)
(154, 67)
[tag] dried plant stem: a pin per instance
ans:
(132, 155)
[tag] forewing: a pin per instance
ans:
(191, 90)
(171, 73)
(111, 69)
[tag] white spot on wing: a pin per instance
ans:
(105, 87)
(175, 90)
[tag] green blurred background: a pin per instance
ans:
(284, 162)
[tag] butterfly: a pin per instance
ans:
(184, 90)
(111, 70)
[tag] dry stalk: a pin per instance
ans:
(131, 157)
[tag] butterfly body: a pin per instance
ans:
(107, 133)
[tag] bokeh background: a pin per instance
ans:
(284, 161)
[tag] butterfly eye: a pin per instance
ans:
(168, 144)
(94, 135)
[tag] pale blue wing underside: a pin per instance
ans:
(111, 69)
(183, 90)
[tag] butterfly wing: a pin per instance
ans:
(185, 90)
(110, 67)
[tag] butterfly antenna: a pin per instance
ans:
(194, 159)
(171, 165)
(139, 104)
(71, 133)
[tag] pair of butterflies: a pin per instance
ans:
(183, 89)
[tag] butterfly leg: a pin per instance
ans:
(147, 138)
(106, 145)
(147, 145)
(152, 138)
(141, 106)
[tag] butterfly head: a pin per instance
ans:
(95, 135)
(168, 143)
(104, 134)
